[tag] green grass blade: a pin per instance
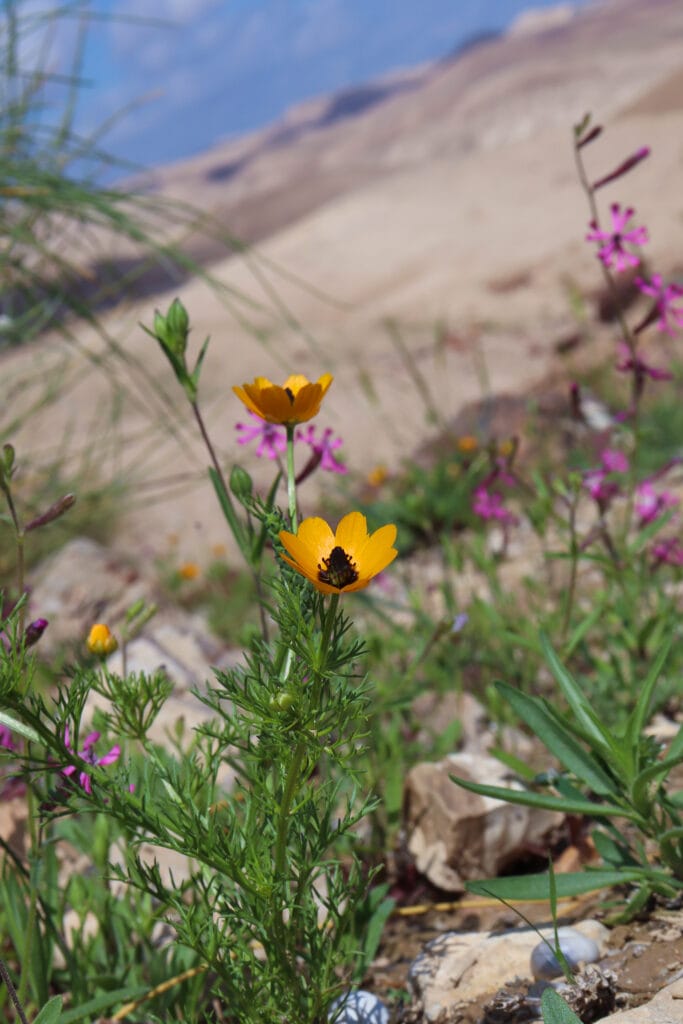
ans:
(558, 739)
(527, 888)
(548, 803)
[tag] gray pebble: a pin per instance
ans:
(358, 1007)
(577, 949)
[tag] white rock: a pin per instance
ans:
(454, 834)
(459, 967)
(358, 1007)
(576, 949)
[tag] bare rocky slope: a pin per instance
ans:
(442, 203)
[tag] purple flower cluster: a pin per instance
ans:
(272, 443)
(87, 754)
(488, 501)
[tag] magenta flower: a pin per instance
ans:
(650, 505)
(614, 460)
(670, 316)
(489, 505)
(598, 482)
(272, 438)
(667, 552)
(612, 251)
(88, 754)
(6, 738)
(323, 448)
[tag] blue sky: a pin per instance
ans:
(193, 72)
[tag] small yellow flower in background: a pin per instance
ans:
(467, 444)
(189, 571)
(101, 641)
(219, 550)
(377, 476)
(296, 401)
(507, 448)
(342, 561)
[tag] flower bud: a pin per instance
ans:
(240, 484)
(34, 631)
(101, 641)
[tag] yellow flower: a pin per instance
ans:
(296, 401)
(101, 640)
(189, 571)
(377, 476)
(342, 561)
(467, 444)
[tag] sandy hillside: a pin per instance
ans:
(444, 201)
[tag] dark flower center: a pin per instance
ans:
(339, 571)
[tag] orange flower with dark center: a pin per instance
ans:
(342, 561)
(296, 401)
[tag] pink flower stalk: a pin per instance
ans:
(88, 754)
(650, 505)
(602, 489)
(489, 505)
(631, 362)
(667, 552)
(670, 316)
(612, 251)
(272, 438)
(323, 448)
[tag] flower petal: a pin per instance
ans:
(352, 534)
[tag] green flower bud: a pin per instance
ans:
(240, 484)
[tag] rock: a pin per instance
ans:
(457, 968)
(575, 947)
(455, 835)
(665, 1008)
(358, 1007)
(80, 584)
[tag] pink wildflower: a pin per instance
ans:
(649, 505)
(612, 251)
(598, 482)
(6, 738)
(614, 461)
(670, 316)
(668, 552)
(323, 448)
(489, 505)
(272, 438)
(88, 754)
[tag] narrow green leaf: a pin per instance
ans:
(555, 1010)
(651, 774)
(16, 726)
(549, 803)
(51, 1012)
(638, 716)
(94, 1007)
(527, 888)
(597, 734)
(558, 739)
(676, 745)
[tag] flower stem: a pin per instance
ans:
(231, 516)
(291, 477)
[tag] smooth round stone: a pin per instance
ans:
(576, 948)
(358, 1007)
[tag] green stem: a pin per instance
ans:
(291, 477)
(232, 519)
